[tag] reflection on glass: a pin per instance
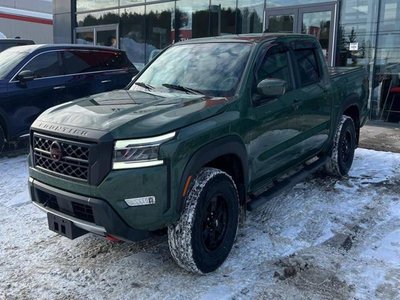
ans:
(357, 25)
(213, 69)
(132, 35)
(223, 17)
(191, 19)
(129, 2)
(282, 23)
(318, 24)
(389, 29)
(107, 38)
(85, 5)
(250, 16)
(276, 3)
(388, 61)
(85, 37)
(158, 27)
(98, 18)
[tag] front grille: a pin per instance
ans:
(83, 212)
(74, 158)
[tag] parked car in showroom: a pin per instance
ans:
(36, 77)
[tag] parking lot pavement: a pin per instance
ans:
(380, 136)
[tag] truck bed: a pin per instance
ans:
(339, 71)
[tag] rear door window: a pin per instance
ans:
(110, 60)
(307, 65)
(76, 62)
(45, 65)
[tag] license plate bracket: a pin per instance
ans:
(64, 227)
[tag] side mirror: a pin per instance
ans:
(26, 75)
(271, 87)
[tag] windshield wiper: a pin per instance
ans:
(181, 88)
(145, 85)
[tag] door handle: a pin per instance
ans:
(106, 81)
(60, 87)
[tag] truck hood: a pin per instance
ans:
(131, 114)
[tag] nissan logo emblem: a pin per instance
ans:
(55, 151)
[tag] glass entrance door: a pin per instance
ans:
(281, 20)
(316, 20)
(103, 35)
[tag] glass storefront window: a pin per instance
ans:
(223, 17)
(250, 16)
(388, 61)
(86, 5)
(318, 24)
(281, 23)
(191, 19)
(278, 3)
(85, 37)
(98, 18)
(132, 35)
(356, 37)
(130, 2)
(159, 25)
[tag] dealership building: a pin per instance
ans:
(351, 32)
(27, 19)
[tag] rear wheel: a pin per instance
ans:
(344, 145)
(204, 235)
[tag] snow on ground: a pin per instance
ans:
(325, 238)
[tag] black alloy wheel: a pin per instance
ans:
(215, 222)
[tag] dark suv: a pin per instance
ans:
(8, 43)
(36, 77)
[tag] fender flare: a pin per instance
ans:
(224, 146)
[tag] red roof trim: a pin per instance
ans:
(26, 19)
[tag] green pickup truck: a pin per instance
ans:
(210, 128)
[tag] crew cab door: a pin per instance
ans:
(273, 120)
(313, 96)
(28, 98)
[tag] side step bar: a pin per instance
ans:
(286, 184)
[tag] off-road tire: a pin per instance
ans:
(2, 139)
(344, 145)
(201, 240)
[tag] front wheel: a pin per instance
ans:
(204, 235)
(344, 145)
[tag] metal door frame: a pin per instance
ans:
(299, 10)
(96, 29)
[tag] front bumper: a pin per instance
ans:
(91, 214)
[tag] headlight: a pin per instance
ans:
(139, 153)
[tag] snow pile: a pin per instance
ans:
(325, 238)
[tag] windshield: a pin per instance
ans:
(213, 69)
(9, 59)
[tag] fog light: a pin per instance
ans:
(141, 201)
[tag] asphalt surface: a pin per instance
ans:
(380, 136)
